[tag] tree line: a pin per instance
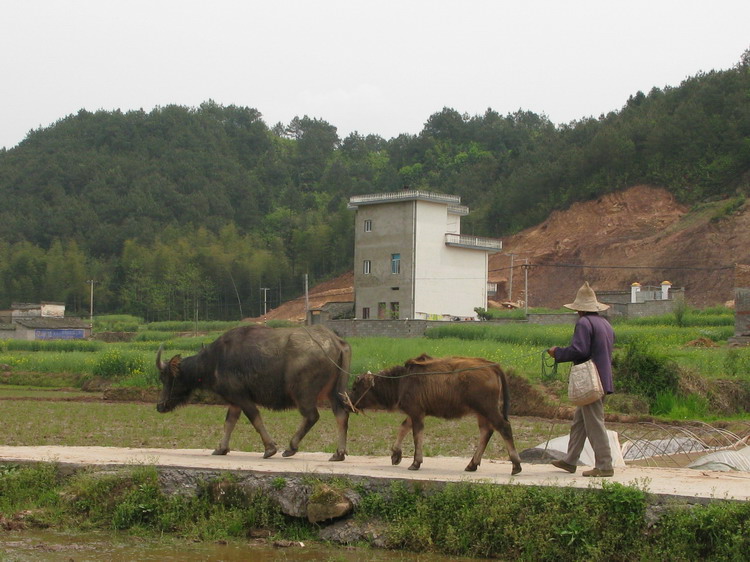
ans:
(182, 211)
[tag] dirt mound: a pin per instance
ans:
(640, 234)
(339, 289)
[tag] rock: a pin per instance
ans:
(292, 499)
(350, 532)
(327, 503)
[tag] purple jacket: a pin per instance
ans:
(593, 338)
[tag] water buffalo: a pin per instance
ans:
(279, 369)
(448, 387)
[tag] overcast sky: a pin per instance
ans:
(377, 66)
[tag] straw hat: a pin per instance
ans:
(586, 300)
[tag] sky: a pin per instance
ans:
(377, 67)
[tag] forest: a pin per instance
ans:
(210, 213)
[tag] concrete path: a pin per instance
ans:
(679, 482)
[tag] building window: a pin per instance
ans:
(367, 267)
(395, 263)
(381, 311)
(394, 310)
(368, 225)
(366, 313)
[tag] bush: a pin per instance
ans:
(641, 371)
(114, 363)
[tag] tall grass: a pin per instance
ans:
(117, 323)
(50, 345)
(560, 334)
(202, 326)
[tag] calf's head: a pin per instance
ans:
(175, 390)
(361, 394)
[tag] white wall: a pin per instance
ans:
(448, 280)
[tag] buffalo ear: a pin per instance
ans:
(174, 365)
(421, 360)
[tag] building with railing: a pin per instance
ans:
(411, 260)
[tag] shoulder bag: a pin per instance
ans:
(584, 384)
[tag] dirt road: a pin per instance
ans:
(679, 482)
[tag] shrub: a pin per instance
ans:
(114, 363)
(641, 371)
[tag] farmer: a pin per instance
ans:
(593, 339)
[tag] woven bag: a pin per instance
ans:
(584, 384)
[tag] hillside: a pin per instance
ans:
(640, 234)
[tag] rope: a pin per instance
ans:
(549, 367)
(549, 373)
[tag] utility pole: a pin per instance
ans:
(307, 301)
(526, 267)
(510, 282)
(265, 290)
(91, 304)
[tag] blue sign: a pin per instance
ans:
(61, 334)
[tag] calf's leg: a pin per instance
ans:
(233, 414)
(485, 432)
(396, 451)
(417, 423)
(502, 426)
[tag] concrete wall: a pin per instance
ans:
(381, 328)
(742, 312)
(392, 232)
(417, 328)
(741, 306)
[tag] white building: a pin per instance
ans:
(411, 260)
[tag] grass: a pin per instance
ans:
(459, 519)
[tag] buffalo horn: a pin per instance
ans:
(161, 365)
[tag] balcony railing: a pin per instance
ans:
(474, 242)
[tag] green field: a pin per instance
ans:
(697, 346)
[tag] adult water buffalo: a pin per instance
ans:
(448, 387)
(279, 369)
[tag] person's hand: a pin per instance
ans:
(551, 351)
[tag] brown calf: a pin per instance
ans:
(448, 387)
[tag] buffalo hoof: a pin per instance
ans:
(396, 457)
(271, 451)
(289, 453)
(471, 467)
(516, 468)
(337, 456)
(415, 465)
(221, 451)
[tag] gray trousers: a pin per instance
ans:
(588, 421)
